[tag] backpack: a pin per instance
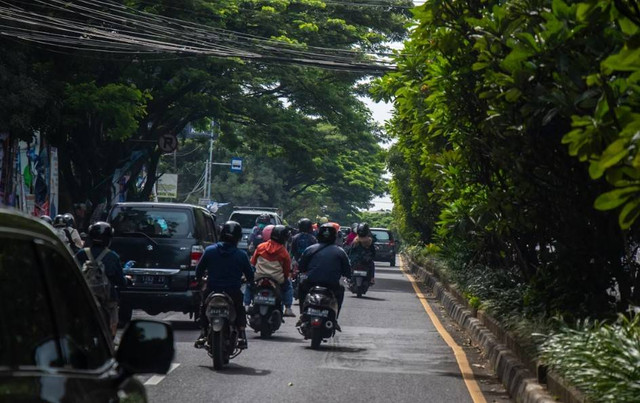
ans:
(72, 245)
(95, 275)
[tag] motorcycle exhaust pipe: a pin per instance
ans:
(328, 324)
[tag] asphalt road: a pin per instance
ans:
(388, 351)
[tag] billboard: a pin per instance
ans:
(167, 186)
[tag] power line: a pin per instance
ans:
(125, 32)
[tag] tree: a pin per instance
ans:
(486, 94)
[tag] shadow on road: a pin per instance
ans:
(276, 338)
(364, 297)
(337, 349)
(235, 369)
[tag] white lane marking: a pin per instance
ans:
(156, 379)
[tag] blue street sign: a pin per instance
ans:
(236, 164)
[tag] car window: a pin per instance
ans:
(381, 236)
(211, 231)
(152, 222)
(27, 333)
(83, 341)
(247, 220)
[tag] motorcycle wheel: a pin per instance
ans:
(217, 344)
(265, 331)
(316, 339)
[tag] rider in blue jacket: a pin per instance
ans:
(225, 265)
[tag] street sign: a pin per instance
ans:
(168, 143)
(236, 164)
(167, 186)
(204, 202)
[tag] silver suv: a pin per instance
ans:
(246, 216)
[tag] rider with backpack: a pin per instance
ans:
(102, 269)
(69, 235)
(256, 237)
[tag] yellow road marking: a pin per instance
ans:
(458, 352)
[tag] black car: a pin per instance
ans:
(162, 243)
(54, 343)
(385, 245)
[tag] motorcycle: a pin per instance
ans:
(222, 338)
(360, 281)
(265, 314)
(318, 320)
(298, 278)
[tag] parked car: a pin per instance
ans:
(385, 245)
(246, 217)
(163, 243)
(54, 342)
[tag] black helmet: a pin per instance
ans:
(305, 225)
(59, 221)
(46, 219)
(263, 219)
(363, 229)
(231, 232)
(100, 233)
(280, 234)
(69, 220)
(327, 233)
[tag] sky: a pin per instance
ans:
(381, 112)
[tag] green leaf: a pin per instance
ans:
(615, 198)
(583, 11)
(512, 95)
(629, 213)
(626, 60)
(627, 26)
(614, 153)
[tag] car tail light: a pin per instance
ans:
(392, 243)
(196, 253)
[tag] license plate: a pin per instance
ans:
(360, 273)
(259, 299)
(151, 279)
(302, 277)
(323, 313)
(220, 312)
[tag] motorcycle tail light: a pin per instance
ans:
(265, 293)
(193, 284)
(315, 322)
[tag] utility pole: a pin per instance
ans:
(207, 172)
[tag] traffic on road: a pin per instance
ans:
(358, 328)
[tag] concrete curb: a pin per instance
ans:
(520, 381)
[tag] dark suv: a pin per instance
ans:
(54, 342)
(385, 245)
(162, 242)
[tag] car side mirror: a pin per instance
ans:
(146, 347)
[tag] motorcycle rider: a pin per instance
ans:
(100, 235)
(76, 240)
(224, 265)
(352, 235)
(362, 251)
(324, 263)
(303, 239)
(266, 235)
(256, 237)
(65, 233)
(272, 260)
(46, 219)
